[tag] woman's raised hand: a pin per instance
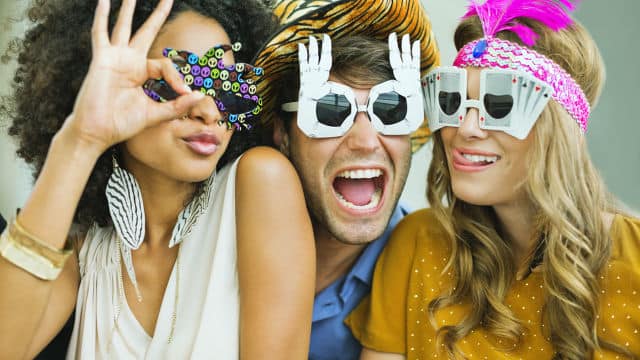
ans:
(111, 105)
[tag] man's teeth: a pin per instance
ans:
(361, 174)
(480, 158)
(375, 199)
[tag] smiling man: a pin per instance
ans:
(349, 130)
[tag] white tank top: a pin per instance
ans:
(207, 312)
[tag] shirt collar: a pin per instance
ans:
(357, 282)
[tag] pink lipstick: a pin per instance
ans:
(202, 144)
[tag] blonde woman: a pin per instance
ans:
(524, 254)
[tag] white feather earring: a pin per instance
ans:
(127, 214)
(190, 214)
(125, 206)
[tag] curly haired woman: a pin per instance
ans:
(129, 222)
(524, 254)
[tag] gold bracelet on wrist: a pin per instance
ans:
(32, 254)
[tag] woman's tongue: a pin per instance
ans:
(355, 191)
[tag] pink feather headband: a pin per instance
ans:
(500, 15)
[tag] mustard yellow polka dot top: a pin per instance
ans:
(394, 318)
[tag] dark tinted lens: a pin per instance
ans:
(449, 102)
(498, 106)
(332, 109)
(234, 104)
(390, 107)
(161, 88)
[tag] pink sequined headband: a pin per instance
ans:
(491, 52)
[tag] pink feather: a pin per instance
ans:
(500, 15)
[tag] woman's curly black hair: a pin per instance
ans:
(53, 59)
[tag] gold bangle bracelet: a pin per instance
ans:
(25, 239)
(32, 254)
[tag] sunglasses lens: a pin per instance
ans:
(390, 107)
(332, 109)
(498, 106)
(159, 90)
(234, 104)
(449, 102)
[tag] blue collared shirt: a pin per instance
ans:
(331, 339)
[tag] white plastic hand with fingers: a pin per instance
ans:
(314, 84)
(405, 65)
(314, 67)
(406, 71)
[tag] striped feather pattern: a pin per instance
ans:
(127, 213)
(190, 214)
(125, 251)
(125, 206)
(337, 18)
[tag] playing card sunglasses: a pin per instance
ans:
(510, 101)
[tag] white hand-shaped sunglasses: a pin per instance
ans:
(329, 109)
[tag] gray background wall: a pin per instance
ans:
(612, 137)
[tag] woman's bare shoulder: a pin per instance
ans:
(266, 165)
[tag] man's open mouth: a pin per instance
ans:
(359, 189)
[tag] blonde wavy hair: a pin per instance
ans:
(569, 199)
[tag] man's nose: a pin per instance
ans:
(363, 136)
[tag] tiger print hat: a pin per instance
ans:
(338, 18)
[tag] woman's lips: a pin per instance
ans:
(480, 160)
(202, 144)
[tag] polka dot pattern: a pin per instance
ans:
(417, 245)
